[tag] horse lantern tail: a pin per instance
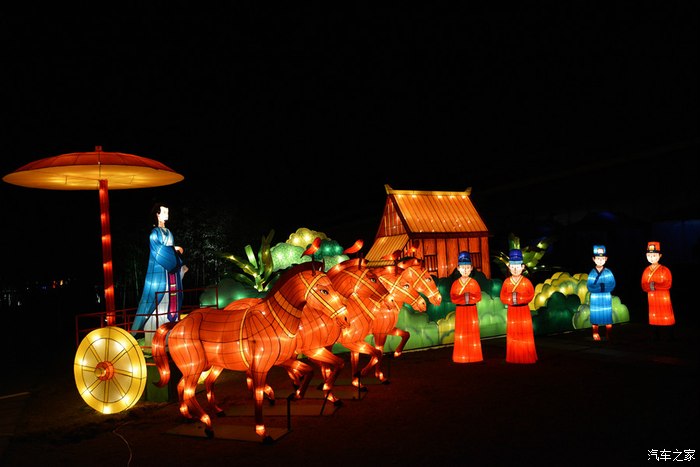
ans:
(160, 356)
(313, 248)
(357, 246)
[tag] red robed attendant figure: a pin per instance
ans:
(466, 293)
(656, 282)
(517, 293)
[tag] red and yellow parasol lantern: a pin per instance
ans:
(101, 171)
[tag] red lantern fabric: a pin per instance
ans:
(517, 293)
(656, 282)
(366, 297)
(467, 346)
(250, 334)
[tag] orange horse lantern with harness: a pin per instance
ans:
(366, 297)
(250, 334)
(403, 281)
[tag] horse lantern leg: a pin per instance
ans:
(214, 373)
(375, 355)
(300, 373)
(184, 343)
(259, 383)
(404, 336)
(330, 365)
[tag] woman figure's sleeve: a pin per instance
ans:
(164, 255)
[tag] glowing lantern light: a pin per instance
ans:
(516, 293)
(656, 282)
(96, 171)
(260, 342)
(465, 294)
(110, 370)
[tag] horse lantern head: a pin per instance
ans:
(420, 278)
(401, 288)
(353, 277)
(321, 295)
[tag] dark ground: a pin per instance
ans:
(582, 403)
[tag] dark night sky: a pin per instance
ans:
(300, 117)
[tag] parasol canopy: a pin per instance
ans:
(84, 170)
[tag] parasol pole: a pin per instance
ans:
(107, 251)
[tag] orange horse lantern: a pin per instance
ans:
(317, 333)
(366, 297)
(403, 282)
(250, 334)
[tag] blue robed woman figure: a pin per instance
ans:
(162, 290)
(600, 283)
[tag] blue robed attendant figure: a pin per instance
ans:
(162, 290)
(601, 283)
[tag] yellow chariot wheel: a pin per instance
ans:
(110, 370)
